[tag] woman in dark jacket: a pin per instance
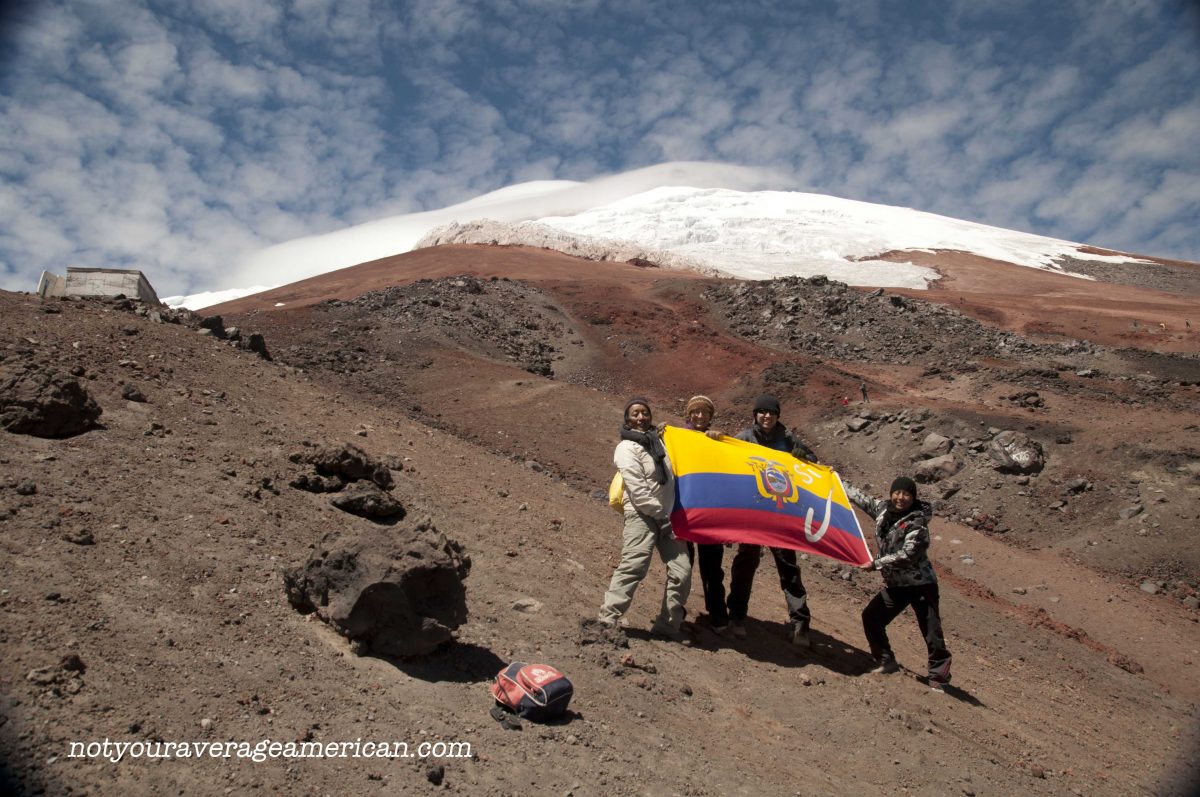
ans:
(902, 533)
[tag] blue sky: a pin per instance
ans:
(180, 137)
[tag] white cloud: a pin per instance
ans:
(247, 23)
(146, 67)
(1170, 137)
(281, 119)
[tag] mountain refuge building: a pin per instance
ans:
(98, 282)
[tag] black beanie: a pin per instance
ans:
(637, 400)
(766, 402)
(906, 484)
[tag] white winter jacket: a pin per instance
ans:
(642, 493)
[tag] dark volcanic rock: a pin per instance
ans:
(367, 500)
(498, 318)
(46, 404)
(214, 324)
(827, 318)
(317, 484)
(256, 343)
(351, 463)
(397, 594)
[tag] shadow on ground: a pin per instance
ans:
(458, 662)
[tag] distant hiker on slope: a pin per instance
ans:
(699, 413)
(769, 432)
(902, 534)
(862, 386)
(649, 498)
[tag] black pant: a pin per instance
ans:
(741, 581)
(888, 604)
(712, 577)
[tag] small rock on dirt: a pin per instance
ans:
(1131, 512)
(527, 605)
(80, 537)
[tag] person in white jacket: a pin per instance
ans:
(649, 499)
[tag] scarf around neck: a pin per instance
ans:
(653, 445)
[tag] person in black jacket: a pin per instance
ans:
(902, 534)
(699, 412)
(769, 432)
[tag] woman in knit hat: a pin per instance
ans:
(699, 412)
(649, 499)
(902, 533)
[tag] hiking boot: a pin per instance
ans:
(739, 628)
(938, 681)
(886, 667)
(721, 630)
(800, 640)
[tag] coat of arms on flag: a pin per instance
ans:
(729, 490)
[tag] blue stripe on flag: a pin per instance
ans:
(731, 491)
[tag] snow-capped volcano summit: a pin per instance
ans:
(765, 234)
(752, 234)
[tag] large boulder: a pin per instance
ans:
(256, 343)
(1016, 452)
(936, 445)
(937, 468)
(46, 403)
(395, 593)
(214, 324)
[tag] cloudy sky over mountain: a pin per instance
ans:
(182, 137)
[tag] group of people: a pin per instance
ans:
(901, 534)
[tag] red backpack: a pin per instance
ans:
(533, 691)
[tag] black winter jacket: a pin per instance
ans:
(903, 540)
(781, 439)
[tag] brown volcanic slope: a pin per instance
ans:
(514, 262)
(1155, 307)
(178, 614)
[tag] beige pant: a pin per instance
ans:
(641, 536)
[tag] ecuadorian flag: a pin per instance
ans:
(729, 490)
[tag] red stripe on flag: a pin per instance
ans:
(767, 528)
